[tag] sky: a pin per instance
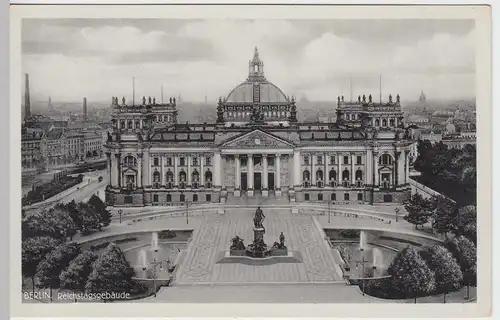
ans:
(68, 59)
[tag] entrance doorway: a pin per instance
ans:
(257, 181)
(244, 185)
(270, 180)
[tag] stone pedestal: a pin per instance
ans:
(237, 193)
(265, 193)
(278, 192)
(258, 234)
(250, 193)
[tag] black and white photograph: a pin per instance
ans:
(251, 159)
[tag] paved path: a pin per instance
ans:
(213, 238)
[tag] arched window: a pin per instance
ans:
(208, 179)
(359, 174)
(156, 179)
(332, 175)
(129, 123)
(137, 124)
(129, 161)
(345, 175)
(122, 124)
(195, 197)
(195, 176)
(306, 176)
(377, 123)
(319, 175)
(391, 122)
(170, 176)
(386, 159)
(182, 176)
(384, 123)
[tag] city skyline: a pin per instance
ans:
(96, 60)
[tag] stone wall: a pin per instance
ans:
(286, 169)
(397, 196)
(145, 198)
(228, 171)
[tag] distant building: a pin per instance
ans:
(92, 144)
(422, 99)
(31, 155)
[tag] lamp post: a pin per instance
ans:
(397, 211)
(120, 212)
(329, 210)
(362, 261)
(187, 212)
(155, 263)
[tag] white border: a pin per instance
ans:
(483, 85)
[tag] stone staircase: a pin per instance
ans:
(257, 199)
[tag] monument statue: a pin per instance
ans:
(282, 240)
(258, 219)
(237, 244)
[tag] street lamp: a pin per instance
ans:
(397, 211)
(362, 261)
(120, 212)
(187, 211)
(329, 210)
(155, 263)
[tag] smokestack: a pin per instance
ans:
(84, 108)
(27, 103)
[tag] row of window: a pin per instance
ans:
(182, 198)
(333, 197)
(319, 160)
(231, 114)
(334, 184)
(182, 161)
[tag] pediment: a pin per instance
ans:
(129, 170)
(257, 139)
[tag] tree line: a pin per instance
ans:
(449, 171)
(50, 256)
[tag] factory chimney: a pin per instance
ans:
(27, 103)
(84, 109)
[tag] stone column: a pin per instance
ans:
(369, 167)
(265, 185)
(407, 164)
(400, 174)
(202, 170)
(250, 174)
(237, 178)
(162, 170)
(139, 170)
(147, 168)
(339, 169)
(296, 169)
(326, 173)
(353, 178)
(109, 168)
(188, 158)
(118, 170)
(376, 173)
(176, 171)
(217, 170)
(277, 175)
(313, 170)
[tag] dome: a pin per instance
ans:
(244, 93)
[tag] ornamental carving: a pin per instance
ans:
(257, 140)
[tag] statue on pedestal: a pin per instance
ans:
(258, 219)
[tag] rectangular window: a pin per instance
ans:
(208, 161)
(169, 198)
(320, 160)
(195, 161)
(346, 159)
(306, 160)
(332, 159)
(155, 198)
(270, 161)
(358, 160)
(169, 161)
(333, 197)
(306, 196)
(208, 197)
(346, 196)
(360, 197)
(195, 197)
(320, 197)
(128, 199)
(182, 161)
(156, 161)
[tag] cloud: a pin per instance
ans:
(98, 57)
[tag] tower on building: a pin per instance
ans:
(27, 103)
(422, 98)
(85, 108)
(256, 68)
(51, 107)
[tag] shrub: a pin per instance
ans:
(167, 234)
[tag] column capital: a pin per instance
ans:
(118, 155)
(278, 155)
(140, 154)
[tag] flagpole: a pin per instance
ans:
(350, 89)
(133, 91)
(162, 93)
(380, 89)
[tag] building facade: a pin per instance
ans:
(258, 148)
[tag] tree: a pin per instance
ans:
(54, 222)
(112, 273)
(90, 219)
(100, 207)
(465, 252)
(448, 276)
(33, 252)
(74, 213)
(419, 210)
(445, 212)
(76, 275)
(55, 262)
(410, 274)
(465, 222)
